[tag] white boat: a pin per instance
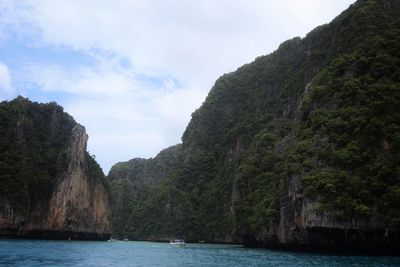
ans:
(177, 243)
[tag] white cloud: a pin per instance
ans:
(124, 116)
(6, 88)
(195, 41)
(80, 80)
(136, 124)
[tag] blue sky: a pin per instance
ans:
(132, 72)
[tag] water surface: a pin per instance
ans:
(122, 253)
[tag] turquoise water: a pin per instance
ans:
(74, 253)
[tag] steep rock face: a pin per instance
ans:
(76, 204)
(79, 202)
(311, 169)
(297, 149)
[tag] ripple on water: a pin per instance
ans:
(75, 253)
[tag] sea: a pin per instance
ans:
(131, 253)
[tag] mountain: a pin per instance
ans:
(50, 187)
(298, 149)
(133, 181)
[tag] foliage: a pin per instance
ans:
(322, 108)
(350, 121)
(33, 142)
(95, 171)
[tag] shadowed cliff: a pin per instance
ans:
(133, 181)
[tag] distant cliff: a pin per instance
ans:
(132, 182)
(50, 186)
(298, 149)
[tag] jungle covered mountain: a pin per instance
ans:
(50, 187)
(32, 150)
(298, 148)
(133, 181)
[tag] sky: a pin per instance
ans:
(133, 71)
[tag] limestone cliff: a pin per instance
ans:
(146, 172)
(298, 149)
(131, 182)
(65, 196)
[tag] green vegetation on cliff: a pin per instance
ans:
(350, 128)
(34, 139)
(321, 110)
(134, 194)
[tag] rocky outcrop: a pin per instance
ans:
(77, 206)
(302, 222)
(79, 202)
(303, 227)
